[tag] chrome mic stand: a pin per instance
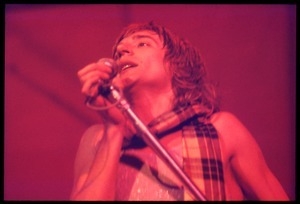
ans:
(112, 94)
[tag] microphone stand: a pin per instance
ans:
(113, 95)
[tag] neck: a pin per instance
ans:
(150, 103)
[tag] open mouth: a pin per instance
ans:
(126, 65)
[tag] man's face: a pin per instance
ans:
(141, 60)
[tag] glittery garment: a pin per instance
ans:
(143, 176)
(200, 155)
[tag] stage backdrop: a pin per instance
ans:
(249, 50)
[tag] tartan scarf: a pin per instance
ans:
(201, 153)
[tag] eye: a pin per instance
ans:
(143, 44)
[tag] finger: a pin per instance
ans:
(86, 69)
(93, 67)
(95, 75)
(90, 87)
(109, 63)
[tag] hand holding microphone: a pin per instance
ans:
(95, 76)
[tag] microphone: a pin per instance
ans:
(104, 88)
(113, 65)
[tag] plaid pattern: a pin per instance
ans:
(201, 149)
(174, 118)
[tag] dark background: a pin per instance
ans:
(249, 50)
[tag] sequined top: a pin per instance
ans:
(142, 175)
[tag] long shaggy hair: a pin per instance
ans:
(188, 73)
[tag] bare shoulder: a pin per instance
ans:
(92, 136)
(232, 132)
(93, 130)
(223, 119)
(226, 122)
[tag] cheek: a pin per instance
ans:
(157, 75)
(153, 71)
(154, 64)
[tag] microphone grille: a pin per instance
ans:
(111, 63)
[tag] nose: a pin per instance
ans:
(126, 50)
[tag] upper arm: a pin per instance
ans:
(85, 155)
(247, 161)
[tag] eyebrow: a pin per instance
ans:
(139, 36)
(143, 36)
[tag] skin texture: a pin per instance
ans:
(147, 86)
